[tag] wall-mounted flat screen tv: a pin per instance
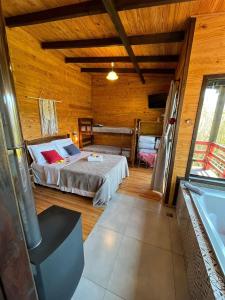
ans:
(157, 100)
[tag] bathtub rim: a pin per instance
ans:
(211, 266)
(210, 231)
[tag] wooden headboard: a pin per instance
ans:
(42, 140)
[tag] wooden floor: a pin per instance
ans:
(137, 184)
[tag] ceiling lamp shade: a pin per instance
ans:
(112, 75)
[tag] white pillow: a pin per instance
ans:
(37, 149)
(59, 144)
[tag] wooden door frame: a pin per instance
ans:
(183, 81)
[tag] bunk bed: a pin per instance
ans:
(88, 133)
(147, 144)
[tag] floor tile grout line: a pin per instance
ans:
(99, 224)
(173, 262)
(117, 255)
(115, 294)
(179, 238)
(96, 283)
(123, 236)
(147, 243)
(170, 235)
(113, 264)
(86, 277)
(154, 212)
(173, 266)
(109, 228)
(174, 283)
(144, 242)
(102, 287)
(131, 208)
(125, 225)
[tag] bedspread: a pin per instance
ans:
(98, 178)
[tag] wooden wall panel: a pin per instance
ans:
(119, 103)
(40, 73)
(207, 57)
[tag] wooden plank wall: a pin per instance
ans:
(207, 57)
(119, 103)
(37, 72)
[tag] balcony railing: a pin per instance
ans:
(210, 156)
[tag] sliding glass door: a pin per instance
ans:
(207, 157)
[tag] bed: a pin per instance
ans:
(116, 130)
(98, 180)
(107, 139)
(103, 149)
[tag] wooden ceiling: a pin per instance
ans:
(142, 21)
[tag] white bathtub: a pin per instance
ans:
(211, 209)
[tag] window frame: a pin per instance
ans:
(188, 175)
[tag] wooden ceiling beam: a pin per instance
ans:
(88, 8)
(147, 39)
(128, 70)
(112, 12)
(125, 59)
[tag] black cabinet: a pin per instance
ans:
(58, 262)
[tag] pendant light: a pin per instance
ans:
(112, 74)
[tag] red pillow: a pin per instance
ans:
(52, 156)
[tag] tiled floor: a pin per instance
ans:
(133, 253)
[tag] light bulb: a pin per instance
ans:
(112, 76)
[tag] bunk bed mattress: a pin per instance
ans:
(103, 149)
(119, 130)
(92, 179)
(146, 142)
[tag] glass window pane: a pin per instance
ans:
(208, 159)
